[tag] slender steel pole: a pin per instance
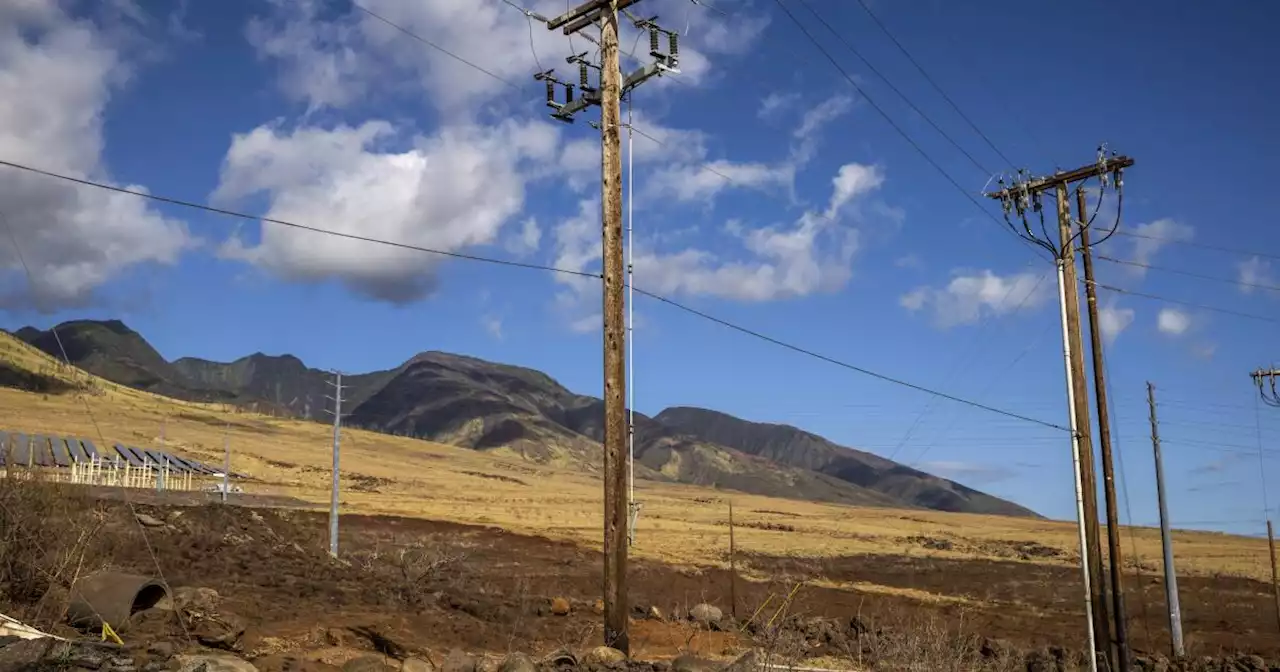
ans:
(1166, 539)
(1075, 463)
(337, 442)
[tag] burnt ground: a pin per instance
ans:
(433, 586)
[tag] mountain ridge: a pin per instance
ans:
(483, 405)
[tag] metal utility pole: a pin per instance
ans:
(1026, 195)
(1166, 540)
(608, 95)
(226, 464)
(337, 442)
(1104, 438)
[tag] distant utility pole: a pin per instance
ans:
(1166, 540)
(226, 463)
(1114, 555)
(1025, 195)
(1275, 574)
(337, 442)
(608, 95)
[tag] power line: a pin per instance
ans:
(932, 82)
(1189, 274)
(295, 225)
(872, 68)
(1191, 243)
(437, 47)
(849, 78)
(553, 269)
(846, 365)
(1156, 297)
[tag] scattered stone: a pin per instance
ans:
(284, 662)
(604, 655)
(706, 615)
(417, 665)
(750, 661)
(213, 663)
(222, 631)
(518, 662)
(598, 606)
(656, 614)
(690, 663)
(337, 637)
(148, 520)
(560, 606)
(561, 658)
(161, 649)
(368, 663)
(459, 661)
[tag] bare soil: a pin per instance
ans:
(432, 587)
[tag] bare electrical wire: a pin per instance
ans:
(853, 50)
(1189, 274)
(1201, 306)
(933, 162)
(1206, 246)
(133, 511)
(933, 83)
(553, 269)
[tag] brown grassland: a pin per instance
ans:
(909, 554)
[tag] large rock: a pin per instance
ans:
(604, 655)
(518, 662)
(459, 661)
(691, 663)
(25, 652)
(706, 615)
(417, 665)
(369, 663)
(222, 631)
(214, 663)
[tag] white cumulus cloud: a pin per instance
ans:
(1113, 320)
(1254, 272)
(57, 74)
(1173, 321)
(969, 296)
(1152, 237)
(449, 191)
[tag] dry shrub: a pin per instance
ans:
(49, 536)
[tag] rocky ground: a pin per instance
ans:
(255, 589)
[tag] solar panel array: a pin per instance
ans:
(57, 451)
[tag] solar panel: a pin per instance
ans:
(89, 449)
(128, 455)
(61, 457)
(183, 464)
(21, 449)
(76, 450)
(40, 448)
(155, 457)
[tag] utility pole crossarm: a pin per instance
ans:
(584, 15)
(1041, 184)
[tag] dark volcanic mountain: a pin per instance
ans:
(482, 405)
(797, 448)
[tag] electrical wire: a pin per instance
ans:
(1156, 297)
(553, 269)
(133, 511)
(853, 50)
(1189, 274)
(1262, 462)
(295, 225)
(846, 365)
(933, 83)
(896, 127)
(1206, 246)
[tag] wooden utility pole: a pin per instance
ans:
(1275, 577)
(608, 95)
(1121, 652)
(733, 568)
(1166, 539)
(1026, 195)
(1088, 478)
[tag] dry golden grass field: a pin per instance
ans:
(679, 524)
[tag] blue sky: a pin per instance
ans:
(832, 232)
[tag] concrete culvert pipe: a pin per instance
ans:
(112, 597)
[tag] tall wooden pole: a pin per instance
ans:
(733, 568)
(1166, 539)
(1275, 577)
(615, 409)
(1104, 438)
(1088, 482)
